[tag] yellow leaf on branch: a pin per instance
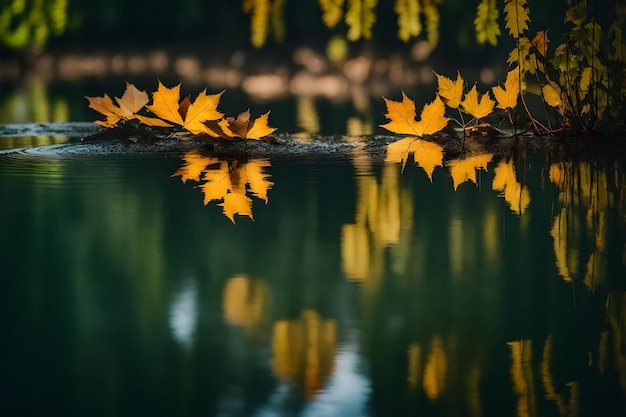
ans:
(507, 96)
(516, 16)
(360, 17)
(451, 91)
(476, 105)
(409, 24)
(486, 22)
(551, 94)
(332, 12)
(402, 117)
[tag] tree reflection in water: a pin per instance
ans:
(362, 289)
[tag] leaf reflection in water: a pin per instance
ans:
(427, 155)
(303, 351)
(230, 181)
(383, 220)
(463, 170)
(581, 241)
(245, 301)
(505, 181)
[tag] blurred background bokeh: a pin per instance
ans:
(278, 54)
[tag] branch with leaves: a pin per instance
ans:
(199, 117)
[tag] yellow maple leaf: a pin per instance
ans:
(463, 170)
(241, 127)
(189, 115)
(427, 155)
(451, 91)
(507, 96)
(127, 106)
(505, 181)
(477, 106)
(402, 117)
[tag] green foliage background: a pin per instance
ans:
(141, 23)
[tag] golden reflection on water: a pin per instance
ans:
(384, 211)
(16, 142)
(505, 181)
(465, 169)
(31, 103)
(231, 182)
(245, 301)
(580, 242)
(522, 377)
(435, 369)
(580, 250)
(443, 365)
(566, 396)
(615, 352)
(303, 351)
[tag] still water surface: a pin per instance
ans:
(360, 289)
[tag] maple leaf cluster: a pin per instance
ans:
(475, 104)
(451, 93)
(433, 119)
(199, 117)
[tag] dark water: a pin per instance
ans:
(358, 289)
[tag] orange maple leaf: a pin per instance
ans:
(477, 108)
(427, 155)
(241, 127)
(126, 108)
(189, 115)
(451, 91)
(402, 116)
(507, 96)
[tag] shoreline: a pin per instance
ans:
(86, 138)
